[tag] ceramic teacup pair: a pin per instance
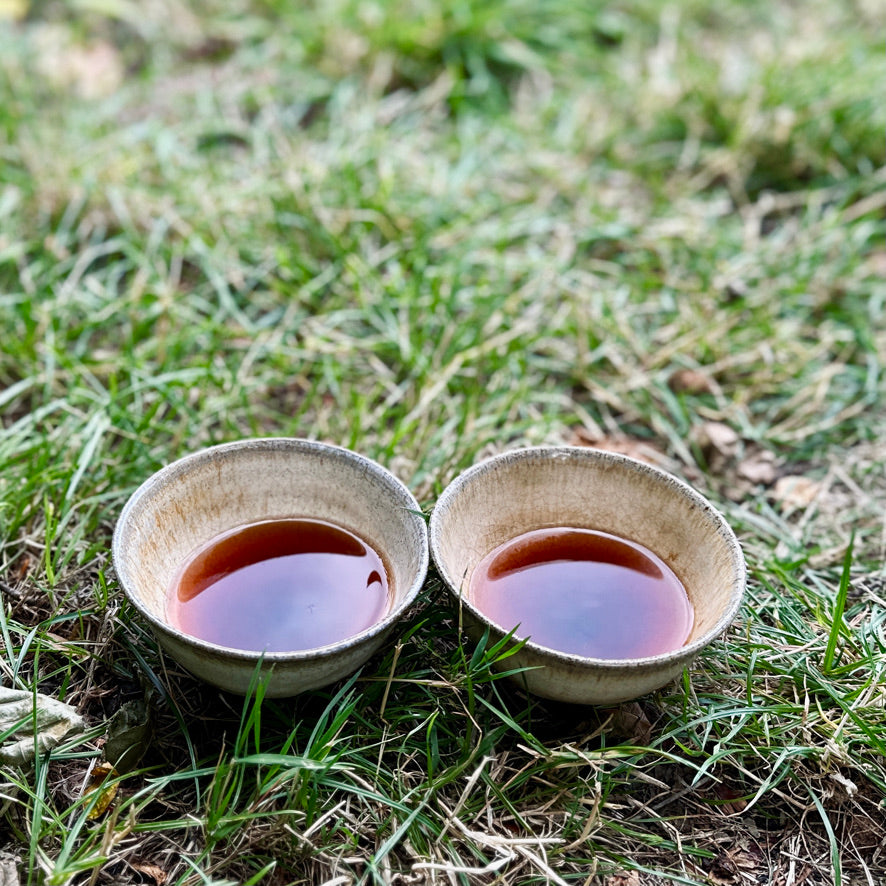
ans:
(197, 498)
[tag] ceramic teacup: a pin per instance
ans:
(194, 500)
(530, 489)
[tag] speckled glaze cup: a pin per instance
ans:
(528, 489)
(193, 500)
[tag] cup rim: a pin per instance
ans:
(591, 454)
(293, 444)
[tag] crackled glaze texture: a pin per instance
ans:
(195, 499)
(529, 489)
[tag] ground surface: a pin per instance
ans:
(432, 231)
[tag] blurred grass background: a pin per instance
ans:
(430, 231)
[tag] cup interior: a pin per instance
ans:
(193, 500)
(530, 489)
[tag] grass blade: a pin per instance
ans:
(839, 606)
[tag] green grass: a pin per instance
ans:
(431, 232)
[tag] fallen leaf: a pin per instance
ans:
(691, 381)
(633, 447)
(795, 492)
(749, 859)
(759, 468)
(731, 800)
(723, 871)
(129, 733)
(157, 874)
(738, 466)
(719, 445)
(101, 772)
(718, 437)
(626, 878)
(33, 723)
(739, 864)
(630, 723)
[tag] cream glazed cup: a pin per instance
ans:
(190, 502)
(529, 489)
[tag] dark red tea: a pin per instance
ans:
(584, 592)
(279, 586)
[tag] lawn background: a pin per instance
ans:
(430, 232)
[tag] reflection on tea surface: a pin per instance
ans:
(279, 586)
(583, 592)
